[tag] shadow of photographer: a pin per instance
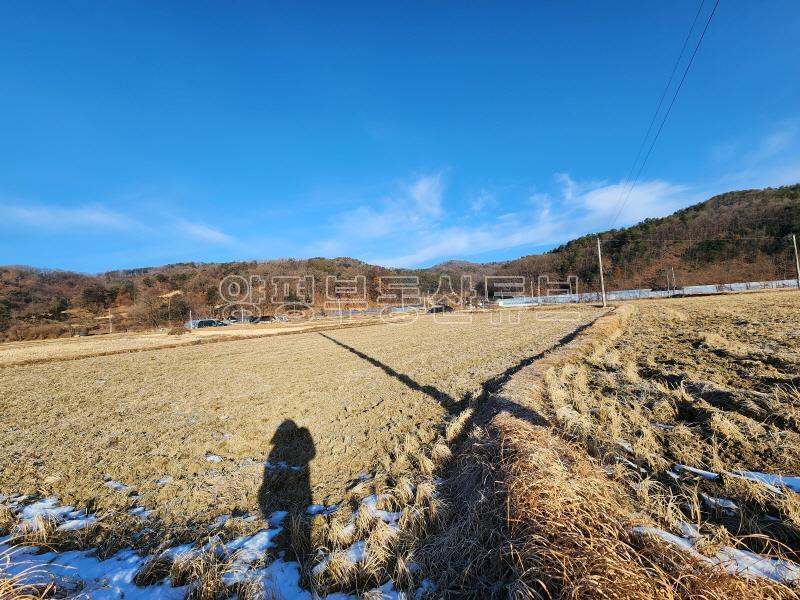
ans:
(286, 484)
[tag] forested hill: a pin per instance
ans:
(738, 236)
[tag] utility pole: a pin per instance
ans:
(796, 260)
(674, 283)
(600, 262)
(110, 322)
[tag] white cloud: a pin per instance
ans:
(67, 218)
(426, 192)
(204, 233)
(482, 201)
(415, 205)
(460, 242)
(582, 207)
(367, 223)
(97, 219)
(568, 186)
(599, 206)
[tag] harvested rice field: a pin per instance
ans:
(192, 437)
(41, 351)
(650, 450)
(657, 456)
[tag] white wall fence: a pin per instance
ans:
(691, 290)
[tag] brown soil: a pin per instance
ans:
(139, 417)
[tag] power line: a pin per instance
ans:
(661, 100)
(666, 114)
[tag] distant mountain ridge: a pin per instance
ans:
(737, 236)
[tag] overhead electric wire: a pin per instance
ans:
(661, 99)
(666, 114)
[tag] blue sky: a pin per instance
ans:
(403, 133)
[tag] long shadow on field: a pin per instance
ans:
(488, 388)
(462, 486)
(441, 397)
(286, 485)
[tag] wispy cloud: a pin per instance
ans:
(426, 192)
(99, 219)
(568, 185)
(775, 143)
(596, 204)
(50, 217)
(451, 242)
(411, 206)
(482, 201)
(204, 233)
(769, 161)
(405, 232)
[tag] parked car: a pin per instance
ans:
(237, 320)
(264, 319)
(439, 308)
(200, 323)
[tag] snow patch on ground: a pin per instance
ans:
(321, 509)
(140, 512)
(625, 446)
(719, 503)
(77, 524)
(13, 500)
(276, 519)
(356, 553)
(79, 570)
(625, 461)
(773, 482)
(82, 572)
(283, 465)
(220, 521)
(426, 587)
(116, 486)
(40, 513)
(390, 518)
(700, 472)
(245, 551)
(733, 560)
